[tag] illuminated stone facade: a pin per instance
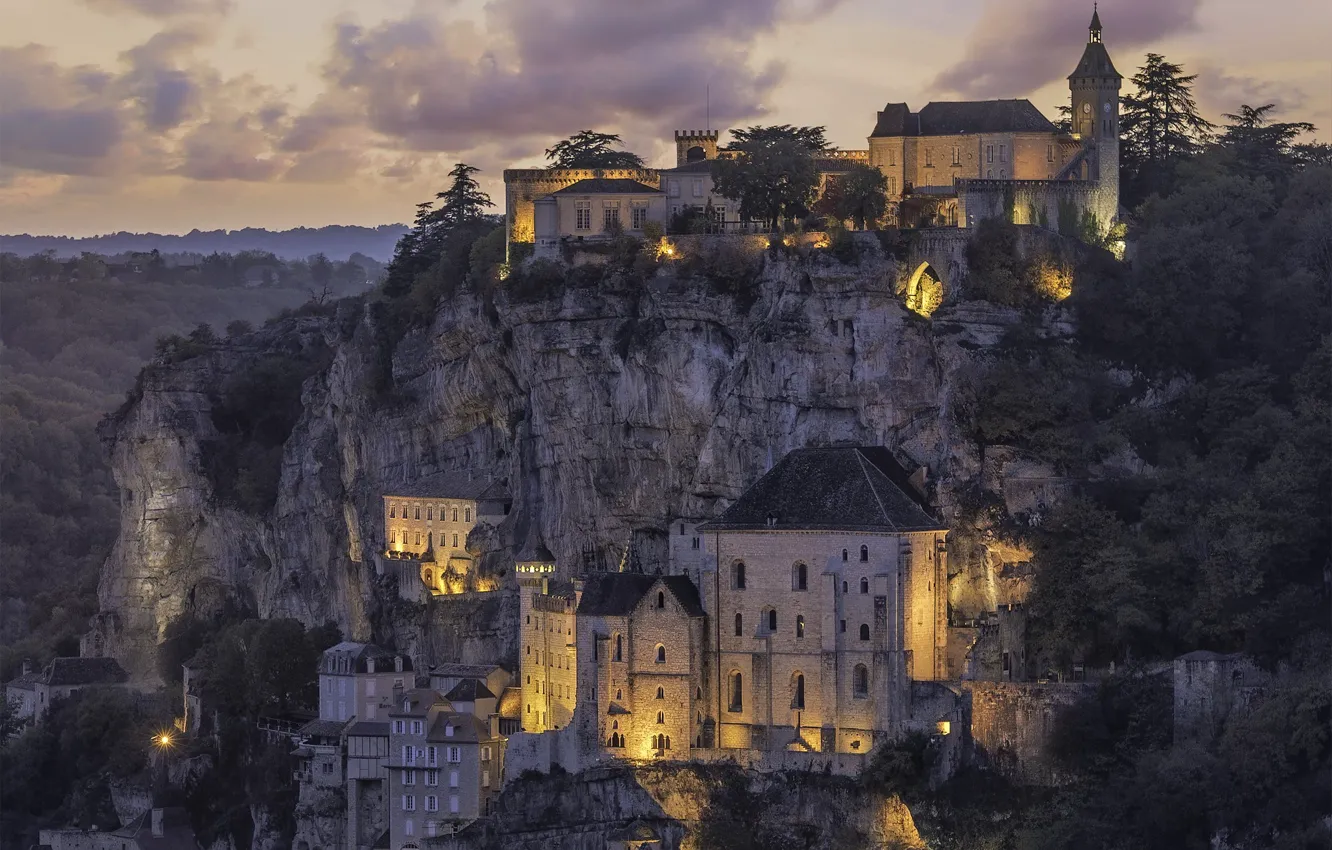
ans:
(426, 527)
(547, 655)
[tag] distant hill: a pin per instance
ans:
(337, 242)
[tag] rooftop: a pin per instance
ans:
(608, 186)
(84, 671)
(852, 488)
(952, 118)
(469, 690)
(475, 671)
(618, 594)
(450, 485)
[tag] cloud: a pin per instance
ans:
(1219, 93)
(1017, 46)
(162, 8)
(431, 84)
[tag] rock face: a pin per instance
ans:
(607, 411)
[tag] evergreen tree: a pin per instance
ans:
(462, 209)
(1160, 123)
(463, 202)
(1260, 146)
(771, 171)
(590, 149)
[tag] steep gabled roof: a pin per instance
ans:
(853, 488)
(469, 690)
(607, 186)
(85, 671)
(952, 118)
(618, 594)
(1095, 62)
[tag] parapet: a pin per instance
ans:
(696, 135)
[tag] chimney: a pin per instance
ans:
(27, 666)
(157, 823)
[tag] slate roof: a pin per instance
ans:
(475, 671)
(369, 729)
(24, 682)
(469, 690)
(420, 700)
(451, 485)
(617, 594)
(84, 671)
(703, 166)
(950, 118)
(323, 729)
(851, 488)
(361, 654)
(607, 186)
(466, 727)
(1095, 62)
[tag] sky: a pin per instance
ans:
(171, 115)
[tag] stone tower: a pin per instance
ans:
(694, 145)
(1094, 85)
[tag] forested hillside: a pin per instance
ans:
(336, 241)
(74, 334)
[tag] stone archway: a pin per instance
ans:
(924, 290)
(695, 154)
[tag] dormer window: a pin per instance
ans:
(772, 520)
(448, 730)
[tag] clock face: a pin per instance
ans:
(1086, 108)
(1106, 108)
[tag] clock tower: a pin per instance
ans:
(1094, 85)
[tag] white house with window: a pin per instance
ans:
(595, 209)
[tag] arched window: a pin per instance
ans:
(798, 691)
(698, 694)
(467, 514)
(864, 585)
(619, 694)
(393, 511)
(667, 745)
(864, 631)
(661, 599)
(738, 575)
(860, 681)
(864, 553)
(429, 577)
(772, 619)
(739, 624)
(800, 625)
(844, 587)
(661, 693)
(619, 648)
(529, 622)
(843, 554)
(455, 514)
(418, 512)
(430, 512)
(661, 654)
(529, 650)
(737, 691)
(800, 578)
(615, 724)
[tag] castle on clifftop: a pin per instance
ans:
(952, 164)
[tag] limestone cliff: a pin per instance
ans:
(608, 410)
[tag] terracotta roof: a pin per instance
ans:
(607, 186)
(618, 594)
(950, 118)
(853, 488)
(469, 690)
(84, 671)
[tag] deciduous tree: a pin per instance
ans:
(771, 171)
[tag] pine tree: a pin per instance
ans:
(463, 201)
(462, 207)
(1160, 124)
(1260, 146)
(590, 149)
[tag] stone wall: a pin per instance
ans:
(1209, 688)
(1012, 724)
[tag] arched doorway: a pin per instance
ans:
(695, 154)
(924, 290)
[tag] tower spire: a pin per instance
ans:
(1094, 31)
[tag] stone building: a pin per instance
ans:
(642, 643)
(426, 525)
(827, 596)
(358, 680)
(547, 655)
(159, 828)
(595, 209)
(445, 767)
(32, 693)
(1210, 687)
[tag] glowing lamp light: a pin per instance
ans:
(944, 727)
(665, 250)
(163, 740)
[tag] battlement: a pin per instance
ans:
(695, 135)
(857, 156)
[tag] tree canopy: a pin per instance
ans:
(859, 196)
(590, 149)
(1159, 123)
(441, 234)
(771, 171)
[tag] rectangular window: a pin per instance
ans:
(369, 687)
(408, 827)
(432, 777)
(418, 538)
(418, 727)
(453, 779)
(397, 730)
(698, 188)
(485, 779)
(892, 185)
(432, 803)
(582, 221)
(673, 188)
(640, 215)
(1003, 153)
(957, 156)
(694, 543)
(408, 803)
(1049, 153)
(430, 513)
(453, 805)
(989, 153)
(485, 753)
(432, 755)
(610, 214)
(929, 158)
(409, 777)
(455, 755)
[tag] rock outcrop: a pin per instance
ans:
(607, 410)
